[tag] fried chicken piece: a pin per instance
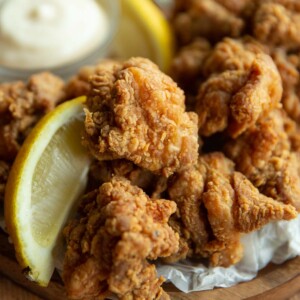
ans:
(277, 23)
(232, 54)
(232, 101)
(215, 204)
(239, 83)
(48, 90)
(136, 112)
(266, 155)
(255, 210)
(214, 98)
(205, 18)
(185, 246)
(292, 130)
(4, 170)
(79, 84)
(288, 66)
(186, 191)
(235, 6)
(120, 229)
(291, 102)
(186, 68)
(21, 106)
(205, 197)
(261, 93)
(103, 171)
(225, 249)
(191, 222)
(197, 61)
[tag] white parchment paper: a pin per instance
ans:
(276, 242)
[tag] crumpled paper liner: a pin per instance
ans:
(275, 242)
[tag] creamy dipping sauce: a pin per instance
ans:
(49, 33)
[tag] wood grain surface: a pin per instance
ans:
(276, 282)
(11, 291)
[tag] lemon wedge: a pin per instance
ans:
(47, 177)
(144, 31)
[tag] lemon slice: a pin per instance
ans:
(144, 31)
(47, 177)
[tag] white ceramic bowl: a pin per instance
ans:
(112, 8)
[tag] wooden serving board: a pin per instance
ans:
(275, 282)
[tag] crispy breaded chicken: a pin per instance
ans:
(205, 18)
(273, 26)
(268, 155)
(136, 112)
(288, 66)
(4, 170)
(215, 205)
(21, 106)
(233, 100)
(79, 84)
(254, 210)
(229, 85)
(103, 171)
(108, 248)
(187, 65)
(205, 199)
(277, 23)
(231, 54)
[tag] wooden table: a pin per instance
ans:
(11, 291)
(276, 282)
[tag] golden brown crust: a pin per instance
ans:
(267, 155)
(231, 54)
(254, 210)
(120, 228)
(136, 112)
(21, 106)
(288, 66)
(205, 18)
(205, 200)
(273, 26)
(79, 84)
(186, 68)
(277, 23)
(233, 100)
(4, 170)
(215, 204)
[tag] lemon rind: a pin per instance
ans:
(157, 28)
(19, 185)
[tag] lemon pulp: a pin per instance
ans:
(44, 185)
(48, 186)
